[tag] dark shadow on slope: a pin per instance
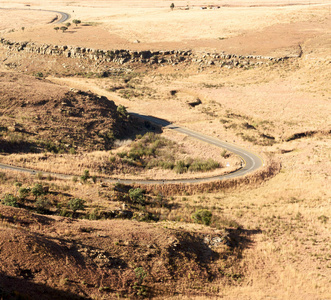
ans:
(16, 146)
(15, 288)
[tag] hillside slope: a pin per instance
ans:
(38, 115)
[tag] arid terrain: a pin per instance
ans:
(256, 74)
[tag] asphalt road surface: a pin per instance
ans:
(64, 16)
(250, 161)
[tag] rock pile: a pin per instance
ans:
(121, 57)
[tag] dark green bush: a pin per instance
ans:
(180, 167)
(23, 192)
(122, 111)
(10, 200)
(202, 216)
(85, 176)
(203, 166)
(38, 190)
(137, 196)
(43, 205)
(76, 204)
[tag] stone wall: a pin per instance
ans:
(145, 57)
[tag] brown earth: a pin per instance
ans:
(56, 117)
(61, 258)
(279, 110)
(270, 30)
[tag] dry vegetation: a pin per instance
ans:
(263, 239)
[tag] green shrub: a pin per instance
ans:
(18, 184)
(86, 176)
(76, 22)
(137, 196)
(122, 154)
(122, 111)
(38, 190)
(23, 192)
(76, 204)
(42, 205)
(202, 216)
(203, 166)
(10, 200)
(39, 74)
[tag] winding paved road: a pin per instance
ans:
(251, 161)
(64, 16)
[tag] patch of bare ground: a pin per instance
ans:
(280, 110)
(37, 115)
(68, 259)
(269, 30)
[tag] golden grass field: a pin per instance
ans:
(290, 257)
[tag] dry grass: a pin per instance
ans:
(109, 164)
(288, 217)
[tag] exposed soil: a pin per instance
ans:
(281, 110)
(269, 30)
(54, 118)
(61, 258)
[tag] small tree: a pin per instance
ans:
(23, 28)
(68, 24)
(172, 6)
(23, 193)
(63, 28)
(56, 29)
(76, 22)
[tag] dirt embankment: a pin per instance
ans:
(61, 258)
(37, 115)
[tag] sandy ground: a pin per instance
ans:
(290, 257)
(266, 30)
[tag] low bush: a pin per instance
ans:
(10, 200)
(85, 176)
(137, 196)
(203, 166)
(42, 205)
(38, 190)
(23, 193)
(202, 216)
(76, 204)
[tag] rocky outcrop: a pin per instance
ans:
(121, 57)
